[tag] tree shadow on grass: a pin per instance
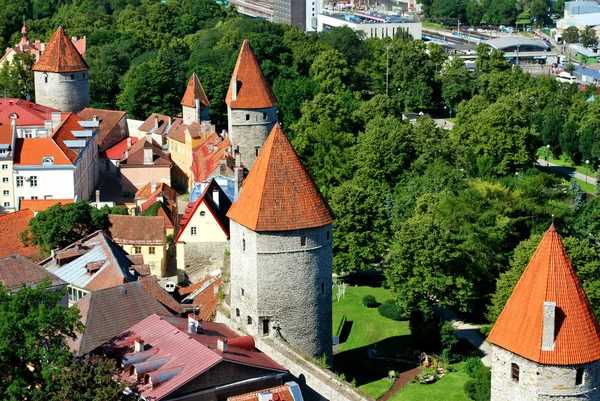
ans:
(356, 363)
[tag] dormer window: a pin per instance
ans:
(48, 161)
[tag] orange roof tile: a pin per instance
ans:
(64, 132)
(283, 394)
(549, 277)
(39, 205)
(279, 194)
(253, 90)
(11, 225)
(31, 151)
(60, 55)
(194, 91)
(205, 162)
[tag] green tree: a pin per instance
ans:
(479, 388)
(474, 12)
(571, 35)
(16, 78)
(539, 9)
(330, 71)
(589, 37)
(569, 140)
(456, 82)
(448, 335)
(450, 9)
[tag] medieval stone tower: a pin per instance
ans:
(281, 256)
(195, 103)
(251, 107)
(61, 76)
(546, 342)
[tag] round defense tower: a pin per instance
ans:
(281, 252)
(61, 76)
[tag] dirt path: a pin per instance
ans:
(401, 381)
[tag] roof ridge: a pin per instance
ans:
(60, 55)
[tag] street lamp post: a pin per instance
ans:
(587, 164)
(547, 153)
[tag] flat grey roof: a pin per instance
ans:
(502, 43)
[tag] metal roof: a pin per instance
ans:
(503, 43)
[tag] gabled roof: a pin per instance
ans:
(219, 212)
(159, 124)
(137, 230)
(549, 277)
(31, 152)
(39, 205)
(117, 151)
(194, 91)
(64, 132)
(11, 225)
(253, 90)
(205, 162)
(96, 247)
(109, 119)
(177, 357)
(136, 155)
(60, 55)
(161, 295)
(146, 192)
(202, 295)
(106, 313)
(15, 270)
(28, 113)
(279, 194)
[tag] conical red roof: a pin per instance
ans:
(279, 194)
(253, 90)
(194, 91)
(549, 277)
(60, 55)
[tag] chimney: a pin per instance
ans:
(126, 155)
(56, 119)
(548, 330)
(211, 148)
(199, 328)
(215, 196)
(152, 187)
(222, 344)
(223, 166)
(128, 142)
(148, 156)
(238, 158)
(48, 126)
(265, 396)
(192, 323)
(156, 122)
(149, 138)
(43, 46)
(170, 121)
(138, 344)
(95, 118)
(21, 46)
(74, 38)
(234, 88)
(97, 196)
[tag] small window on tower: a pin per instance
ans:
(242, 292)
(266, 327)
(322, 288)
(256, 149)
(247, 117)
(237, 312)
(249, 320)
(514, 372)
(579, 376)
(264, 116)
(302, 241)
(243, 244)
(46, 79)
(72, 77)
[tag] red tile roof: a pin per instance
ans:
(219, 213)
(279, 194)
(31, 151)
(117, 151)
(207, 300)
(549, 277)
(60, 55)
(283, 394)
(29, 113)
(15, 270)
(253, 90)
(6, 134)
(109, 119)
(184, 358)
(39, 205)
(136, 155)
(159, 124)
(205, 162)
(194, 91)
(11, 225)
(137, 230)
(145, 192)
(64, 132)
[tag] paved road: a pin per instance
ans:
(444, 123)
(566, 171)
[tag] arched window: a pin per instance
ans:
(579, 376)
(243, 244)
(247, 117)
(249, 320)
(237, 312)
(514, 372)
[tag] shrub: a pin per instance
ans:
(390, 310)
(448, 335)
(478, 389)
(369, 301)
(472, 366)
(463, 350)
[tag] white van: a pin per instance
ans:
(566, 77)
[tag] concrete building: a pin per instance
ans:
(61, 76)
(300, 13)
(281, 257)
(519, 50)
(262, 9)
(251, 106)
(546, 342)
(372, 25)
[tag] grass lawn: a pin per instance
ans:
(580, 169)
(365, 327)
(432, 25)
(448, 388)
(587, 187)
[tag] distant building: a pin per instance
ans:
(211, 158)
(151, 193)
(195, 104)
(142, 235)
(112, 128)
(372, 25)
(519, 50)
(546, 342)
(251, 106)
(61, 76)
(262, 9)
(144, 162)
(300, 13)
(110, 159)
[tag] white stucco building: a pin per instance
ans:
(373, 25)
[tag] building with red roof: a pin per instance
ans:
(251, 106)
(289, 391)
(212, 157)
(11, 225)
(39, 205)
(16, 270)
(281, 238)
(546, 341)
(112, 156)
(113, 125)
(203, 237)
(61, 76)
(165, 358)
(144, 162)
(154, 192)
(195, 103)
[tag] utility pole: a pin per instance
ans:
(387, 69)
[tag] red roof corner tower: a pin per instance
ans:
(251, 106)
(546, 342)
(195, 103)
(281, 260)
(61, 76)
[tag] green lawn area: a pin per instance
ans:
(580, 169)
(432, 25)
(448, 388)
(377, 388)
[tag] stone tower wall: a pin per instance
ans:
(539, 382)
(190, 115)
(250, 128)
(286, 283)
(62, 91)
